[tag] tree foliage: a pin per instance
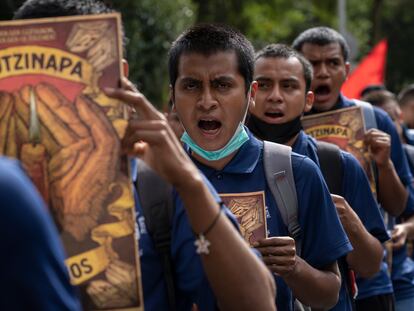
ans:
(151, 26)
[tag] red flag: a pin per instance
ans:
(371, 70)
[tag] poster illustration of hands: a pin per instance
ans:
(249, 208)
(55, 118)
(346, 129)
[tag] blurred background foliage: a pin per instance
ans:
(151, 26)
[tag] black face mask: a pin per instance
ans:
(277, 133)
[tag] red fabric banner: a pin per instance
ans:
(371, 70)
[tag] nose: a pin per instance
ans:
(275, 95)
(322, 71)
(207, 101)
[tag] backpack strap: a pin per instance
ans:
(331, 165)
(370, 122)
(279, 176)
(155, 196)
(369, 114)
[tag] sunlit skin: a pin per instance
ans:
(330, 72)
(281, 95)
(393, 109)
(210, 98)
(408, 112)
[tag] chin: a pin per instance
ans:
(210, 145)
(323, 106)
(273, 121)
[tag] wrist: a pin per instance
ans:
(387, 165)
(292, 276)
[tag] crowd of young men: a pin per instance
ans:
(229, 100)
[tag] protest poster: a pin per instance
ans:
(250, 211)
(56, 119)
(346, 129)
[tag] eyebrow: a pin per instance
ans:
(325, 59)
(218, 78)
(266, 79)
(263, 78)
(188, 79)
(223, 78)
(291, 79)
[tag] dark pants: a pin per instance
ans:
(385, 302)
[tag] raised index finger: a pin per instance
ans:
(137, 101)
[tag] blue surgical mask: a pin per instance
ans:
(238, 139)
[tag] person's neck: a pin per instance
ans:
(217, 165)
(326, 107)
(292, 141)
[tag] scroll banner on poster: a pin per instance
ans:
(86, 265)
(33, 59)
(328, 131)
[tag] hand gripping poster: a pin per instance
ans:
(346, 129)
(55, 118)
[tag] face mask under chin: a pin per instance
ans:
(238, 139)
(278, 133)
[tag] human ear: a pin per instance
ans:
(309, 98)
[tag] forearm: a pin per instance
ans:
(392, 193)
(231, 267)
(313, 287)
(366, 257)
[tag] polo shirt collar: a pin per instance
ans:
(301, 144)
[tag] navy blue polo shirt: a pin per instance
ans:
(402, 272)
(380, 283)
(190, 280)
(324, 240)
(357, 192)
(32, 269)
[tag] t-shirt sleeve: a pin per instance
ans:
(357, 192)
(33, 267)
(398, 156)
(323, 238)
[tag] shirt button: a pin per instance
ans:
(219, 176)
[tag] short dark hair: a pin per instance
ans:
(379, 97)
(208, 39)
(321, 36)
(284, 51)
(406, 94)
(55, 8)
(372, 88)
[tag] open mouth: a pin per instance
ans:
(274, 115)
(322, 90)
(209, 126)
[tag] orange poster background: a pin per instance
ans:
(346, 129)
(55, 118)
